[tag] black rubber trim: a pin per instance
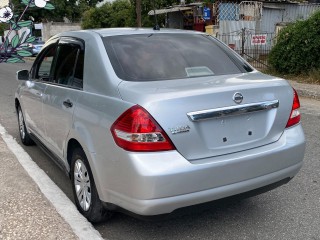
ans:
(50, 154)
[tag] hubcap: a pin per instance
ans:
(82, 185)
(21, 125)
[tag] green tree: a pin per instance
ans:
(122, 13)
(119, 13)
(148, 5)
(71, 9)
(297, 47)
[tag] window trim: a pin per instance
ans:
(36, 64)
(57, 42)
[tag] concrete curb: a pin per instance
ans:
(63, 212)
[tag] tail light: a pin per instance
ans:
(295, 113)
(136, 130)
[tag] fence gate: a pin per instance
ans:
(252, 46)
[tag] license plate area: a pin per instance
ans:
(236, 131)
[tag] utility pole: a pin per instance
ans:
(138, 12)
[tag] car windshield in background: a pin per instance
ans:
(151, 57)
(38, 43)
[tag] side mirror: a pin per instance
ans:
(22, 75)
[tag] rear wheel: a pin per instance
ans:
(84, 189)
(24, 135)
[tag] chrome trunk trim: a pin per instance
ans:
(232, 111)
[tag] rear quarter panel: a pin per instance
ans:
(93, 117)
(98, 106)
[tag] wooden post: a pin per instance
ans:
(138, 12)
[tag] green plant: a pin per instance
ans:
(297, 47)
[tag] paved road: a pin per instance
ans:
(289, 212)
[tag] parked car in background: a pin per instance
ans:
(36, 46)
(152, 121)
(6, 52)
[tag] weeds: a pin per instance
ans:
(311, 77)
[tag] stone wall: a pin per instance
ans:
(52, 28)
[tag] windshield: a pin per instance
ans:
(169, 56)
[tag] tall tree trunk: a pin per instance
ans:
(138, 12)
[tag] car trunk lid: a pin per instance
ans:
(206, 117)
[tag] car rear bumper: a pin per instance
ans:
(167, 205)
(159, 183)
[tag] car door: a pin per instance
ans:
(61, 94)
(32, 94)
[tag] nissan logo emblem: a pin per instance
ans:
(237, 97)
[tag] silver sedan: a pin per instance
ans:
(152, 121)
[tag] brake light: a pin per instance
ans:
(136, 130)
(295, 113)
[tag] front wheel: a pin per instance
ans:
(84, 189)
(24, 135)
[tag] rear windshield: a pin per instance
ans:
(170, 56)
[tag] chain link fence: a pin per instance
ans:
(244, 11)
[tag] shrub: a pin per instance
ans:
(298, 47)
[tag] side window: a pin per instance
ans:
(69, 65)
(65, 64)
(78, 73)
(45, 64)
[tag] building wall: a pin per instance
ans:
(52, 28)
(277, 13)
(273, 13)
(4, 3)
(230, 27)
(175, 20)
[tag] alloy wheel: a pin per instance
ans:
(82, 185)
(21, 125)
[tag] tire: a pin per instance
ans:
(84, 190)
(24, 135)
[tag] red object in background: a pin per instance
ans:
(199, 27)
(232, 46)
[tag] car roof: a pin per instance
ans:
(104, 32)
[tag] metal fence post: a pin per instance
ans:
(243, 39)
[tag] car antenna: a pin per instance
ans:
(156, 26)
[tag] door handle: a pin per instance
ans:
(67, 103)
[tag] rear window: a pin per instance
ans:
(169, 56)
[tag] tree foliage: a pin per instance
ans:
(71, 9)
(148, 5)
(119, 13)
(297, 47)
(122, 13)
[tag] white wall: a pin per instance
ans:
(52, 28)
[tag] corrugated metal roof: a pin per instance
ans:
(168, 10)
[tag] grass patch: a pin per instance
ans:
(312, 77)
